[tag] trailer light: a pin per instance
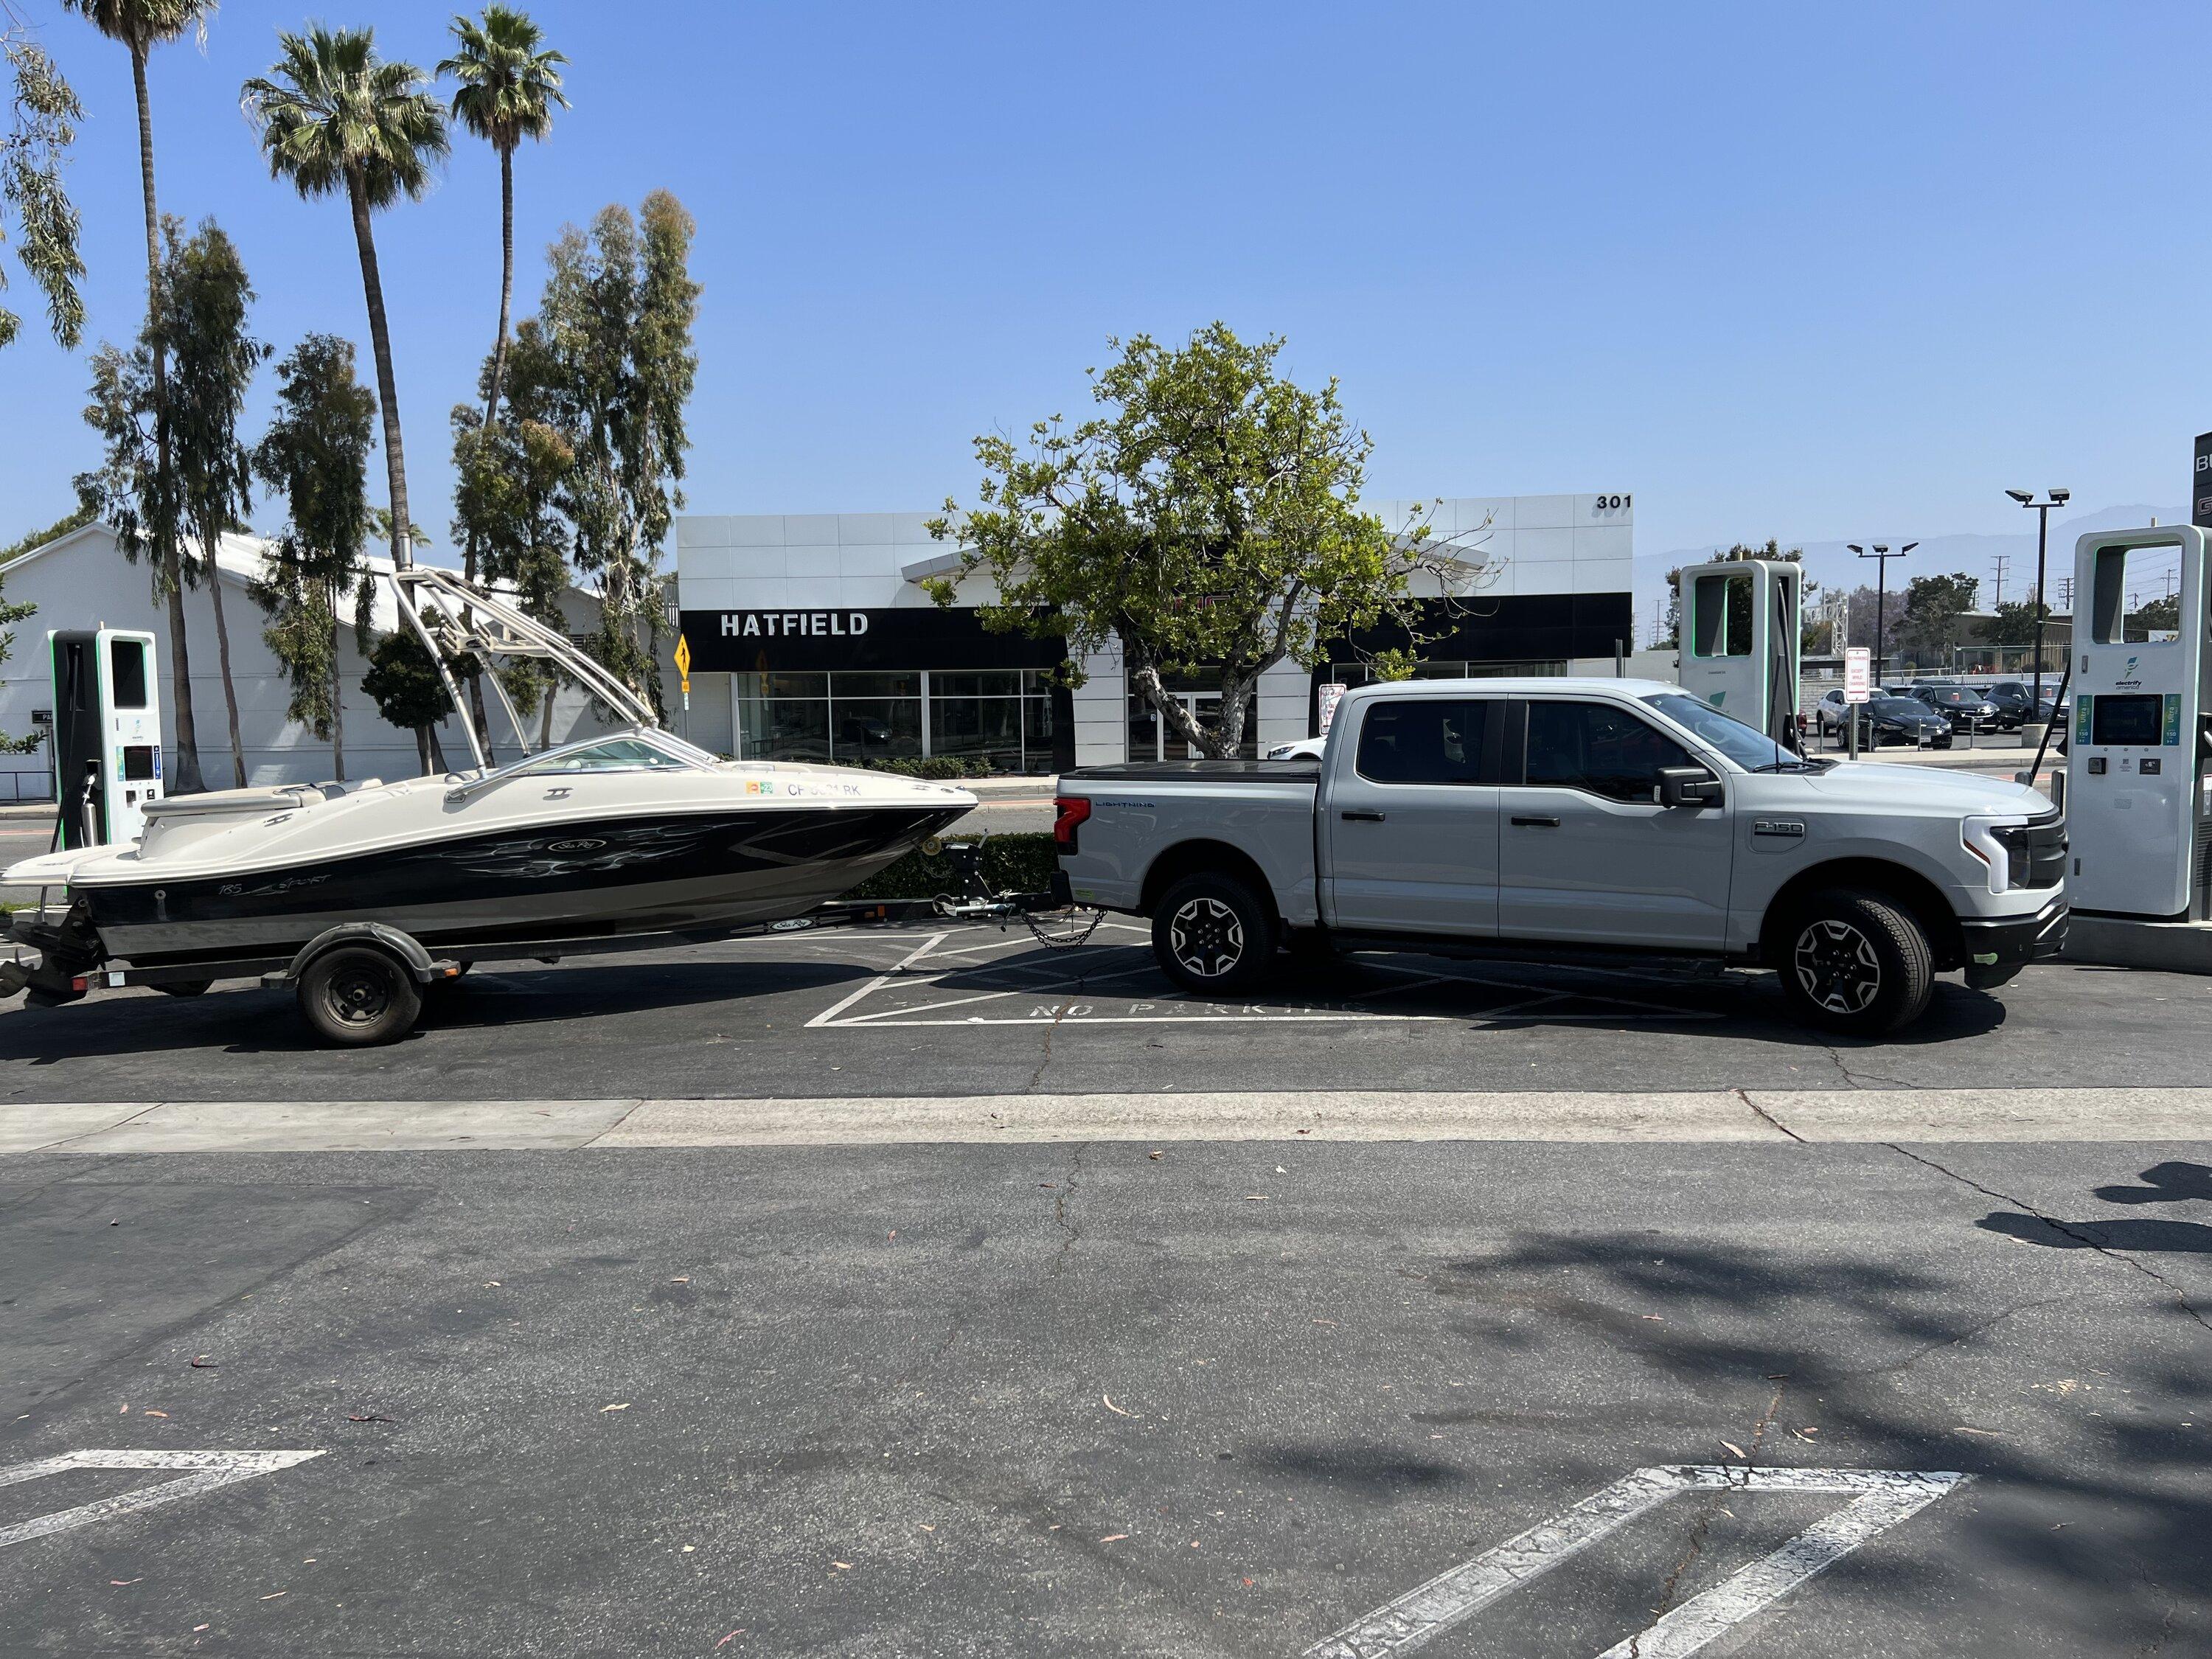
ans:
(1067, 812)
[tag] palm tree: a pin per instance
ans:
(508, 89)
(334, 116)
(140, 26)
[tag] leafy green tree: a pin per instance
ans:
(315, 457)
(205, 298)
(334, 117)
(506, 503)
(139, 26)
(509, 87)
(613, 369)
(2016, 624)
(1209, 520)
(403, 682)
(1932, 622)
(2160, 614)
(35, 203)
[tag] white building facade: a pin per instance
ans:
(82, 580)
(812, 637)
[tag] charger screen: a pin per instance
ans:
(2132, 720)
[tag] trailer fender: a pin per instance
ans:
(404, 945)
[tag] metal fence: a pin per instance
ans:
(27, 787)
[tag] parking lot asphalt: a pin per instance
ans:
(1080, 1400)
(922, 1010)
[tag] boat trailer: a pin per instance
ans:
(361, 984)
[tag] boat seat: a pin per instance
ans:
(283, 798)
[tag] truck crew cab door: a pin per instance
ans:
(1587, 852)
(1409, 824)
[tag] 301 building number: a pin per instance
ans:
(1613, 503)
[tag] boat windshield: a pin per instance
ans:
(624, 752)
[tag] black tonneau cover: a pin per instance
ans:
(1281, 771)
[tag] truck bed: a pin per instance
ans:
(1198, 771)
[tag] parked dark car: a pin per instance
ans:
(1963, 706)
(2016, 703)
(1901, 720)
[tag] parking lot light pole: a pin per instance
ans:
(2042, 511)
(1881, 555)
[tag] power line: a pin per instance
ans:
(2003, 560)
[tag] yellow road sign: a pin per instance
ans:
(684, 662)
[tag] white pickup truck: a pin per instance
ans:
(1528, 818)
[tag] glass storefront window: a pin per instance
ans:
(862, 729)
(1151, 738)
(1000, 717)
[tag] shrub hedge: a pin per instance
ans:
(1023, 863)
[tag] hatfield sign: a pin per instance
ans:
(793, 625)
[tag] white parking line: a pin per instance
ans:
(1882, 1498)
(205, 1472)
(1063, 994)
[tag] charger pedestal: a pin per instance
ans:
(2172, 947)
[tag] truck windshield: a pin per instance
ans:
(1746, 747)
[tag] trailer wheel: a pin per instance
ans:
(1213, 935)
(357, 996)
(1855, 964)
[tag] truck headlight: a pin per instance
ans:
(2002, 844)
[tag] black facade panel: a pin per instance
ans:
(908, 636)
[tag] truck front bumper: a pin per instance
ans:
(1999, 947)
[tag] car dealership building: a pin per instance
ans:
(812, 638)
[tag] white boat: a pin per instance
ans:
(361, 893)
(637, 832)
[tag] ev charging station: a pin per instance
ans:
(1741, 639)
(106, 733)
(2136, 825)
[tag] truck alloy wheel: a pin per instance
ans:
(1213, 935)
(1836, 965)
(1855, 962)
(1208, 938)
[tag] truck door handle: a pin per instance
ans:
(1537, 823)
(1362, 817)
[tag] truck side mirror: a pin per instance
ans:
(1689, 785)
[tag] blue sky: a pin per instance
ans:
(1833, 273)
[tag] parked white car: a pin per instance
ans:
(1303, 749)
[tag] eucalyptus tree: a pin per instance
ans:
(615, 330)
(135, 490)
(510, 85)
(314, 457)
(35, 209)
(507, 496)
(139, 26)
(335, 117)
(205, 296)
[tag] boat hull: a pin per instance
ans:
(697, 871)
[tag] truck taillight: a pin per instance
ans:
(1068, 811)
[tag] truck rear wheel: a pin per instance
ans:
(1213, 935)
(1856, 963)
(358, 996)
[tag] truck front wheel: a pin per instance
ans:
(1213, 935)
(1855, 964)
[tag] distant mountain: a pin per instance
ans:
(1833, 565)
